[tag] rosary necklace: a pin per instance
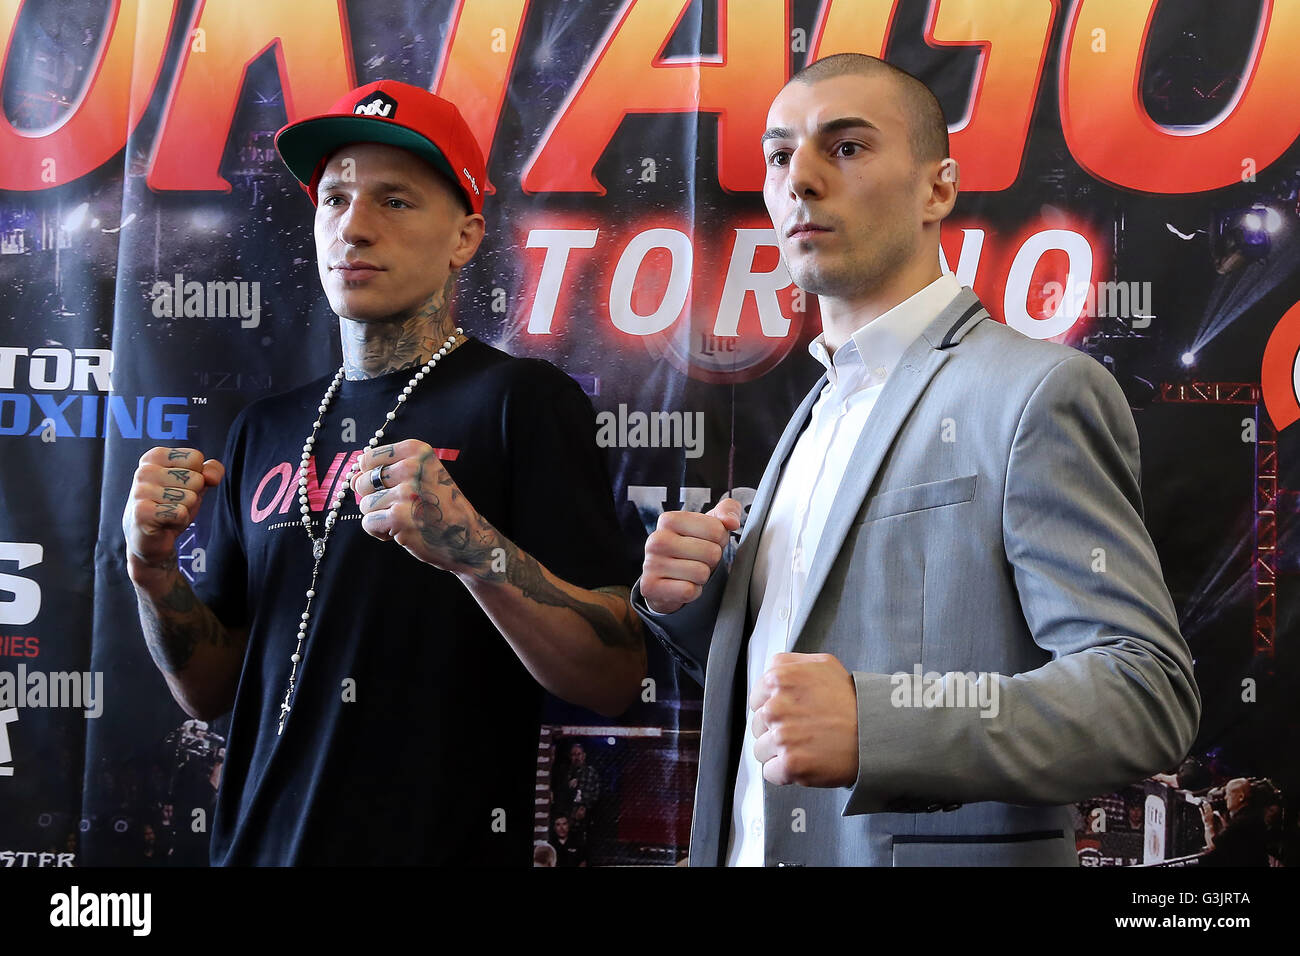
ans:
(340, 491)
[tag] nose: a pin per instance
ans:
(355, 224)
(805, 180)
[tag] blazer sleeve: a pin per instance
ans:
(687, 632)
(1117, 701)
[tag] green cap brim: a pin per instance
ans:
(305, 144)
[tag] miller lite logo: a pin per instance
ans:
(377, 104)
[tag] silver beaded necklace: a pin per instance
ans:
(340, 491)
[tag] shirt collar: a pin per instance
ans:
(880, 344)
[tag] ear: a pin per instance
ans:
(943, 182)
(468, 236)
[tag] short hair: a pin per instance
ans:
(543, 854)
(927, 129)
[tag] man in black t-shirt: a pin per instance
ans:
(570, 847)
(358, 637)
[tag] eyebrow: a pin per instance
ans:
(333, 182)
(830, 126)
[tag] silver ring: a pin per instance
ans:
(377, 477)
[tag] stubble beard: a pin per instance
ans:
(850, 278)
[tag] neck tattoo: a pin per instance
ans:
(340, 491)
(371, 349)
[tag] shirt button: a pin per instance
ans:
(783, 613)
(881, 371)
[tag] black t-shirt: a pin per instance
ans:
(413, 736)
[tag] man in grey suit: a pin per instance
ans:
(945, 620)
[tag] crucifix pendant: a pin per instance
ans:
(284, 712)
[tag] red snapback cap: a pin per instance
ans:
(396, 114)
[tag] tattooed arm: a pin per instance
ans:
(585, 646)
(198, 656)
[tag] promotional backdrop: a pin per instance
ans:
(1130, 178)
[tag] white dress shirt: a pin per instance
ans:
(808, 484)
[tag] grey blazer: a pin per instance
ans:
(989, 523)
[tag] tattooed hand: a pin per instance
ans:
(165, 496)
(418, 505)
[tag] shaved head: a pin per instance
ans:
(927, 129)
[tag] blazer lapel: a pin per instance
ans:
(923, 358)
(743, 565)
(722, 682)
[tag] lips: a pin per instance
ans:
(802, 230)
(355, 271)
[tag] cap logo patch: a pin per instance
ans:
(377, 104)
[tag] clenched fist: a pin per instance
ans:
(806, 721)
(165, 496)
(682, 552)
(406, 495)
